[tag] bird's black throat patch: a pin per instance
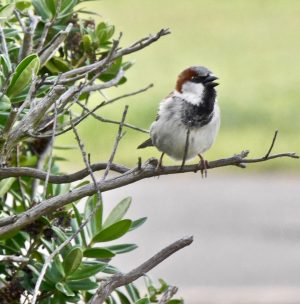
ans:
(199, 115)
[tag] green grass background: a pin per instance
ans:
(252, 46)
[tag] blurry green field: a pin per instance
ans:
(254, 48)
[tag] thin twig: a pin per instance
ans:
(3, 45)
(51, 151)
(81, 118)
(168, 294)
(107, 60)
(102, 119)
(48, 26)
(118, 280)
(54, 44)
(116, 144)
(272, 144)
(84, 156)
(30, 95)
(19, 178)
(13, 258)
(105, 85)
(19, 18)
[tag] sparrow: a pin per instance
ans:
(188, 119)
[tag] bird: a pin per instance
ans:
(188, 119)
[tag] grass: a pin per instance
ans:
(253, 46)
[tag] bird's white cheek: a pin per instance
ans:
(192, 92)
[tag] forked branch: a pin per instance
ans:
(118, 280)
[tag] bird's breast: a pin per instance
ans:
(169, 132)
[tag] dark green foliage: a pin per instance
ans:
(72, 274)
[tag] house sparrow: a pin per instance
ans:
(188, 119)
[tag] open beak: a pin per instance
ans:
(209, 81)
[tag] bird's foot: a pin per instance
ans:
(203, 165)
(159, 166)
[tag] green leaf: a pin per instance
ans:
(113, 232)
(57, 65)
(4, 103)
(95, 224)
(5, 65)
(62, 236)
(112, 71)
(41, 9)
(104, 32)
(122, 248)
(79, 222)
(175, 301)
(6, 184)
(23, 75)
(118, 212)
(85, 284)
(86, 271)
(54, 272)
(51, 5)
(65, 289)
(132, 292)
(122, 297)
(6, 11)
(143, 301)
(137, 223)
(23, 4)
(100, 253)
(73, 260)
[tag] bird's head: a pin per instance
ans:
(195, 79)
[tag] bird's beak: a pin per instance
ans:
(209, 81)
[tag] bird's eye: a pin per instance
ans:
(197, 79)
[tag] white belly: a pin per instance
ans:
(169, 136)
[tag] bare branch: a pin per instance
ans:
(102, 119)
(13, 258)
(84, 156)
(105, 85)
(27, 46)
(147, 170)
(31, 120)
(272, 144)
(57, 179)
(133, 48)
(116, 144)
(54, 44)
(118, 280)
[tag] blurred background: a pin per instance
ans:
(246, 223)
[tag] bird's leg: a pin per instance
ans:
(203, 165)
(159, 164)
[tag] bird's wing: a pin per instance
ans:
(145, 144)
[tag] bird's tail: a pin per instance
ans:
(145, 144)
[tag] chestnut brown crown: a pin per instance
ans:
(196, 74)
